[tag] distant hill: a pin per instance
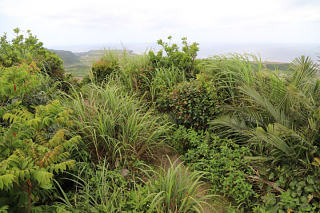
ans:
(79, 63)
(68, 57)
(276, 65)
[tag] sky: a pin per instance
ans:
(85, 22)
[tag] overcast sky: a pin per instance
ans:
(77, 22)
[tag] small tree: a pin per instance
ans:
(28, 49)
(184, 60)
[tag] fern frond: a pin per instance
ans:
(7, 181)
(43, 177)
(61, 167)
(57, 138)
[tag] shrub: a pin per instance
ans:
(140, 77)
(21, 85)
(18, 81)
(33, 149)
(294, 192)
(222, 161)
(108, 64)
(192, 104)
(163, 80)
(183, 60)
(27, 50)
(136, 73)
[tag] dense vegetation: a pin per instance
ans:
(159, 132)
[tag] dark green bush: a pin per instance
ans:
(222, 161)
(295, 192)
(192, 104)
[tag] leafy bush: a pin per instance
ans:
(33, 148)
(140, 77)
(27, 50)
(108, 64)
(222, 161)
(18, 81)
(184, 60)
(192, 104)
(293, 192)
(277, 117)
(163, 80)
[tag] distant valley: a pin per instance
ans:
(79, 63)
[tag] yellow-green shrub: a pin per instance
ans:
(32, 150)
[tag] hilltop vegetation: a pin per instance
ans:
(159, 132)
(79, 63)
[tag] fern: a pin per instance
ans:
(34, 148)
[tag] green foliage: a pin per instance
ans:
(294, 193)
(22, 85)
(68, 57)
(140, 77)
(104, 190)
(179, 190)
(33, 148)
(28, 49)
(136, 73)
(115, 125)
(266, 158)
(192, 104)
(108, 64)
(222, 161)
(18, 81)
(163, 80)
(184, 59)
(277, 117)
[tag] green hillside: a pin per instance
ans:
(156, 133)
(68, 57)
(79, 63)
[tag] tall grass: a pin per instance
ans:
(115, 125)
(164, 79)
(230, 71)
(178, 190)
(104, 190)
(139, 76)
(135, 72)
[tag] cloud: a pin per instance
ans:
(82, 21)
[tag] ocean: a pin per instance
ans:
(275, 52)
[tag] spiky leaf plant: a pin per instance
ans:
(115, 125)
(179, 190)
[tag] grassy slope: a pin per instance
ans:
(79, 63)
